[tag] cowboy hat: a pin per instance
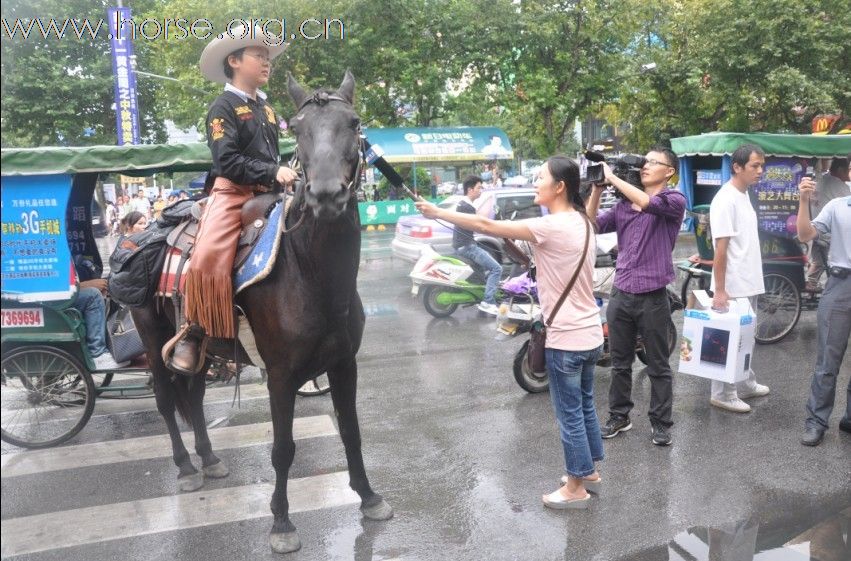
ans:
(237, 37)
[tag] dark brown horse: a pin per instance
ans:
(307, 315)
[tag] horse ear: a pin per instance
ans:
(347, 87)
(297, 93)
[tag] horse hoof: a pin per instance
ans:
(285, 542)
(217, 470)
(378, 511)
(189, 483)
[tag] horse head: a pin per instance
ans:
(327, 131)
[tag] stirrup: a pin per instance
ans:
(184, 332)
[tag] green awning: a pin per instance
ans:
(441, 144)
(139, 159)
(800, 145)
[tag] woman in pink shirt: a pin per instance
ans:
(575, 338)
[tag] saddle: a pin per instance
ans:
(181, 240)
(262, 227)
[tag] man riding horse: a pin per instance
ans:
(242, 133)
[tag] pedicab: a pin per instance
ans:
(49, 379)
(705, 165)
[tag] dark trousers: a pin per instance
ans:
(647, 315)
(834, 329)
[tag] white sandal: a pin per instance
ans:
(557, 501)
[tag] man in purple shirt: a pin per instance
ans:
(647, 222)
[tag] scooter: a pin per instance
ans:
(447, 282)
(512, 325)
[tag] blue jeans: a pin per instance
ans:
(571, 376)
(91, 304)
(484, 260)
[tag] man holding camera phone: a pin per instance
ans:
(831, 185)
(647, 221)
(834, 309)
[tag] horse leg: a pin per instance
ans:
(212, 465)
(283, 537)
(188, 478)
(343, 380)
(155, 329)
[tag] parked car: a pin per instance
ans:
(415, 232)
(447, 188)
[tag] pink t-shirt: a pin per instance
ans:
(560, 239)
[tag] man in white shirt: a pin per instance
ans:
(737, 268)
(140, 203)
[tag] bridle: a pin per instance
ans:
(321, 98)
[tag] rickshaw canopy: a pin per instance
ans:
(781, 149)
(789, 145)
(139, 159)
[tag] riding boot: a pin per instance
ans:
(184, 353)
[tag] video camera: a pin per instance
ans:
(626, 166)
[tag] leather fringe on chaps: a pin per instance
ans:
(209, 284)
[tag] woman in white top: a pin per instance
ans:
(575, 338)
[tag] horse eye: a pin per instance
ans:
(355, 123)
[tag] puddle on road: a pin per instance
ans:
(829, 540)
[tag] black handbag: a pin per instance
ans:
(123, 337)
(538, 336)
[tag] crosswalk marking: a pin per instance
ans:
(214, 396)
(149, 447)
(43, 532)
(106, 407)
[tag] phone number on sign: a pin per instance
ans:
(23, 317)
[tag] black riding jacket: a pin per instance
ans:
(243, 138)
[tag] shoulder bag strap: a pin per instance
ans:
(575, 274)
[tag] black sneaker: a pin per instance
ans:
(812, 436)
(845, 425)
(661, 436)
(614, 425)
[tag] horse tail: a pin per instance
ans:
(182, 386)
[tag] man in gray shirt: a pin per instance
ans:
(828, 187)
(834, 310)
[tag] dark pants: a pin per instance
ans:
(647, 315)
(834, 328)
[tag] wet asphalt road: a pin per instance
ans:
(463, 455)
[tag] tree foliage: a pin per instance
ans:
(769, 65)
(532, 67)
(60, 91)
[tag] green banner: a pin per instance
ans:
(385, 212)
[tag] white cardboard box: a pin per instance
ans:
(717, 345)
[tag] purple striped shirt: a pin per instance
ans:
(645, 240)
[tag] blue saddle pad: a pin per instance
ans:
(261, 260)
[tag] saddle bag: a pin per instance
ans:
(175, 213)
(135, 266)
